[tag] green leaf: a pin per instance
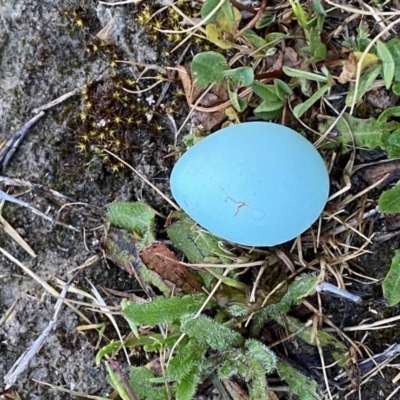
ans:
(298, 73)
(207, 8)
(267, 18)
(133, 217)
(393, 45)
(266, 92)
(389, 200)
(282, 89)
(391, 283)
(318, 7)
(267, 106)
(162, 310)
(391, 144)
(208, 67)
(228, 10)
(110, 348)
(305, 388)
(389, 112)
(254, 39)
(365, 82)
(388, 66)
(187, 358)
(116, 383)
(299, 12)
(214, 34)
(186, 388)
(300, 109)
(396, 89)
(238, 103)
(242, 75)
(274, 37)
(140, 379)
(208, 331)
(261, 112)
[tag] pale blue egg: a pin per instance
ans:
(255, 183)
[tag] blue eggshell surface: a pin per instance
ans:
(255, 183)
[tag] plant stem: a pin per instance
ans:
(251, 23)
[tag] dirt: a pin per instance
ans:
(42, 56)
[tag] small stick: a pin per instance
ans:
(123, 377)
(59, 100)
(328, 287)
(23, 361)
(12, 144)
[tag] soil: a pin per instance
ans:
(42, 56)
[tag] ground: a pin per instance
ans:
(43, 56)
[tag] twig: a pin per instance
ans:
(328, 287)
(59, 100)
(12, 144)
(23, 361)
(123, 377)
(251, 23)
(7, 197)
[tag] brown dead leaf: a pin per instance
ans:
(210, 120)
(157, 257)
(106, 33)
(290, 57)
(272, 395)
(192, 92)
(235, 391)
(274, 62)
(375, 172)
(349, 69)
(217, 95)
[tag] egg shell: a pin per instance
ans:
(255, 183)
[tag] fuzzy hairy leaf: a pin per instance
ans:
(152, 343)
(295, 292)
(298, 383)
(258, 388)
(389, 200)
(261, 353)
(368, 133)
(193, 241)
(186, 388)
(211, 333)
(187, 357)
(140, 380)
(133, 217)
(391, 283)
(162, 310)
(391, 144)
